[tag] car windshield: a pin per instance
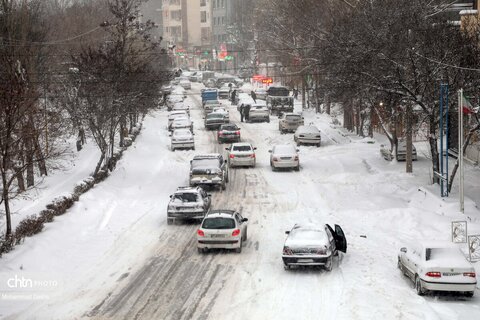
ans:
(230, 128)
(186, 197)
(242, 148)
(215, 116)
(218, 223)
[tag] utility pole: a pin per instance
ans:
(460, 151)
(409, 133)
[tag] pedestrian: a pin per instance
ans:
(246, 111)
(295, 93)
(254, 96)
(241, 112)
(233, 96)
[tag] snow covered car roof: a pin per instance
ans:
(307, 129)
(182, 132)
(306, 236)
(284, 149)
(207, 156)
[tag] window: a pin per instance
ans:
(203, 3)
(203, 16)
(223, 4)
(223, 21)
(177, 14)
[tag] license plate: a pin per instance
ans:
(305, 260)
(218, 236)
(447, 274)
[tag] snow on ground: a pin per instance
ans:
(113, 255)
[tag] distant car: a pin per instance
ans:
(284, 156)
(181, 123)
(289, 122)
(209, 169)
(241, 154)
(222, 110)
(258, 112)
(210, 104)
(174, 115)
(437, 266)
(166, 89)
(223, 93)
(180, 106)
(261, 93)
(243, 99)
(402, 151)
(193, 77)
(307, 135)
(188, 203)
(229, 132)
(213, 120)
(182, 138)
(222, 229)
(313, 245)
(186, 84)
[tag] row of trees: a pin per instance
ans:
(381, 59)
(86, 68)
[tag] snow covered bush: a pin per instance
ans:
(83, 186)
(61, 204)
(101, 175)
(28, 227)
(47, 215)
(6, 244)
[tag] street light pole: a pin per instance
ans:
(460, 151)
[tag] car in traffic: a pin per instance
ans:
(241, 154)
(210, 104)
(181, 123)
(214, 120)
(261, 93)
(174, 115)
(222, 229)
(224, 93)
(182, 139)
(222, 110)
(437, 266)
(209, 170)
(313, 245)
(188, 203)
(243, 99)
(258, 113)
(229, 132)
(289, 122)
(180, 106)
(307, 135)
(284, 156)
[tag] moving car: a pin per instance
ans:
(210, 104)
(181, 123)
(402, 151)
(180, 106)
(229, 132)
(258, 112)
(243, 99)
(188, 203)
(313, 245)
(214, 120)
(223, 93)
(221, 110)
(279, 99)
(307, 135)
(289, 122)
(222, 229)
(209, 169)
(182, 138)
(241, 154)
(174, 115)
(284, 156)
(437, 266)
(186, 84)
(261, 93)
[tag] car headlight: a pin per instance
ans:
(171, 207)
(287, 251)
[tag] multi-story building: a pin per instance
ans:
(152, 10)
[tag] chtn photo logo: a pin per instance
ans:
(23, 282)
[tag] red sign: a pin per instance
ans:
(258, 77)
(267, 80)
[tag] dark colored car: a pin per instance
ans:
(214, 120)
(228, 133)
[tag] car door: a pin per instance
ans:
(340, 239)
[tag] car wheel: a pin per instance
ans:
(418, 286)
(224, 186)
(298, 143)
(297, 168)
(469, 294)
(169, 221)
(286, 266)
(239, 249)
(273, 168)
(329, 264)
(193, 148)
(318, 145)
(268, 120)
(244, 237)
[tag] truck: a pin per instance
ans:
(279, 100)
(206, 75)
(209, 94)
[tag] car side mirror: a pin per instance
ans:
(244, 219)
(254, 148)
(227, 149)
(287, 232)
(404, 250)
(270, 151)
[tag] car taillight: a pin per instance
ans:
(296, 158)
(237, 133)
(287, 251)
(232, 156)
(200, 233)
(275, 159)
(252, 155)
(235, 232)
(220, 133)
(469, 274)
(434, 274)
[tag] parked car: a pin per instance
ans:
(223, 93)
(229, 132)
(188, 203)
(210, 104)
(241, 154)
(437, 266)
(174, 115)
(313, 245)
(209, 169)
(258, 112)
(222, 229)
(289, 122)
(214, 120)
(402, 151)
(284, 156)
(223, 111)
(307, 135)
(261, 93)
(182, 138)
(181, 123)
(180, 106)
(186, 84)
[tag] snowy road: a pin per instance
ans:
(131, 265)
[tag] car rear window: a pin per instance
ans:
(446, 254)
(242, 148)
(230, 128)
(218, 223)
(292, 117)
(215, 116)
(186, 197)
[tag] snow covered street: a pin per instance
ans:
(114, 257)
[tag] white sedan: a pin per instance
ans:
(307, 135)
(182, 138)
(175, 115)
(437, 266)
(284, 156)
(221, 110)
(182, 123)
(241, 154)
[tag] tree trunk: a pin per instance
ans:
(303, 93)
(42, 166)
(99, 163)
(6, 205)
(29, 162)
(434, 149)
(408, 133)
(327, 104)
